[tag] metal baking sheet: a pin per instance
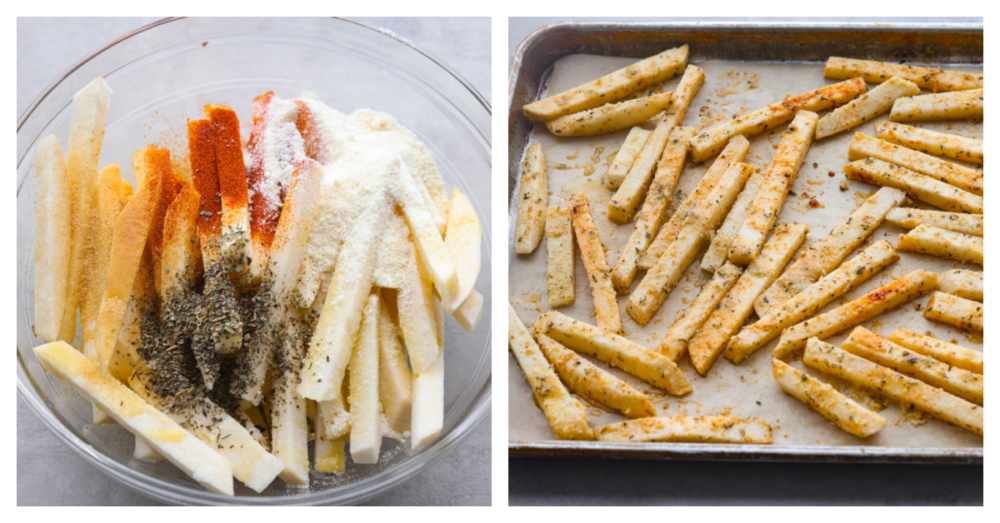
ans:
(736, 80)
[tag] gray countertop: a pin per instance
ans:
(568, 481)
(60, 477)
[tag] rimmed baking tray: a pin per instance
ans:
(938, 43)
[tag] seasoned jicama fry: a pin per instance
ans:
(658, 198)
(965, 178)
(289, 425)
(727, 318)
(940, 106)
(395, 383)
(393, 254)
(865, 107)
(470, 312)
(704, 429)
(87, 123)
(709, 142)
(827, 254)
(626, 156)
(336, 417)
(560, 265)
(625, 202)
(663, 277)
(964, 284)
(914, 285)
(532, 201)
(675, 342)
(237, 226)
(935, 241)
(330, 347)
(611, 117)
(181, 254)
(932, 142)
(615, 351)
(566, 416)
(958, 312)
(416, 315)
(877, 72)
(718, 250)
(593, 383)
(366, 438)
(612, 87)
(953, 221)
(463, 239)
(919, 186)
(53, 237)
(872, 347)
(813, 298)
(774, 189)
(954, 355)
(823, 399)
(598, 274)
(830, 360)
(735, 151)
(193, 456)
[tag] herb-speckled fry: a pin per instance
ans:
(958, 312)
(598, 273)
(919, 186)
(927, 239)
(865, 107)
(875, 72)
(626, 156)
(704, 429)
(940, 106)
(863, 146)
(964, 284)
(953, 221)
(932, 142)
(827, 402)
(908, 288)
(560, 266)
(675, 342)
(718, 250)
(532, 201)
(949, 408)
(955, 355)
(610, 118)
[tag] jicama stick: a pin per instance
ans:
(615, 351)
(470, 312)
(919, 186)
(658, 198)
(953, 221)
(813, 298)
(926, 239)
(328, 452)
(598, 275)
(823, 399)
(951, 409)
(416, 315)
(954, 355)
(625, 157)
(964, 284)
(958, 312)
(395, 382)
(722, 240)
(611, 117)
(612, 87)
(865, 107)
(560, 265)
(932, 142)
(566, 416)
(463, 239)
(710, 340)
(872, 347)
(914, 285)
(704, 429)
(877, 72)
(827, 254)
(593, 383)
(532, 201)
(53, 237)
(675, 342)
(366, 437)
(427, 416)
(940, 106)
(774, 189)
(965, 178)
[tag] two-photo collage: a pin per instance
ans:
(264, 261)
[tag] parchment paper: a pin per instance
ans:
(577, 164)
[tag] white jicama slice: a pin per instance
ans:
(53, 237)
(416, 315)
(439, 220)
(462, 239)
(144, 451)
(289, 423)
(193, 456)
(392, 258)
(328, 452)
(366, 436)
(336, 418)
(428, 240)
(83, 150)
(427, 417)
(279, 278)
(330, 347)
(471, 311)
(252, 464)
(395, 383)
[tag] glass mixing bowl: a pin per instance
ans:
(165, 73)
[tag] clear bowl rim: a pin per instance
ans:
(160, 490)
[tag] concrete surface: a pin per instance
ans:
(552, 481)
(58, 476)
